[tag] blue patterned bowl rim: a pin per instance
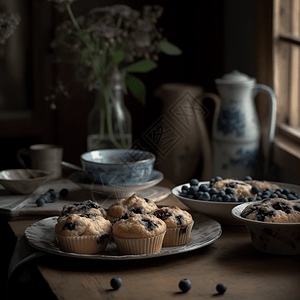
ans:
(150, 156)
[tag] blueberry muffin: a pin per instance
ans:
(82, 233)
(133, 205)
(241, 188)
(179, 225)
(87, 206)
(276, 210)
(139, 234)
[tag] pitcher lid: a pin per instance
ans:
(235, 77)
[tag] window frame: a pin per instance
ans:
(272, 53)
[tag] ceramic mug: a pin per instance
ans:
(44, 157)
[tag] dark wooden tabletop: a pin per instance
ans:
(231, 259)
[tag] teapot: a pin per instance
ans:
(236, 133)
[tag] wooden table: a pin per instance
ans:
(231, 259)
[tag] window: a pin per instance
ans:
(278, 65)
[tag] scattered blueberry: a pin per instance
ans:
(40, 201)
(244, 199)
(194, 181)
(247, 178)
(53, 195)
(251, 199)
(185, 285)
(116, 283)
(64, 192)
(221, 288)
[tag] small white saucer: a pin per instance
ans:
(115, 191)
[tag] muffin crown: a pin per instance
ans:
(132, 204)
(276, 210)
(87, 206)
(139, 226)
(173, 216)
(83, 224)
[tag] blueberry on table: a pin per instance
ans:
(185, 285)
(40, 201)
(218, 178)
(64, 192)
(116, 283)
(53, 195)
(221, 288)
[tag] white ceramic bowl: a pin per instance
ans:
(220, 211)
(23, 181)
(273, 238)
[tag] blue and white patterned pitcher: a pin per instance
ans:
(236, 130)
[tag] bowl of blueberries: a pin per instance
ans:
(217, 197)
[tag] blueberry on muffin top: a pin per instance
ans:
(83, 224)
(130, 205)
(276, 210)
(139, 226)
(87, 206)
(173, 216)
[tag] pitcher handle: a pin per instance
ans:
(23, 152)
(207, 153)
(271, 121)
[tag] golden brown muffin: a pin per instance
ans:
(179, 225)
(125, 207)
(276, 210)
(140, 234)
(84, 233)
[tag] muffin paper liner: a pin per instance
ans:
(177, 236)
(81, 244)
(140, 246)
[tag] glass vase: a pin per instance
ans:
(109, 122)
